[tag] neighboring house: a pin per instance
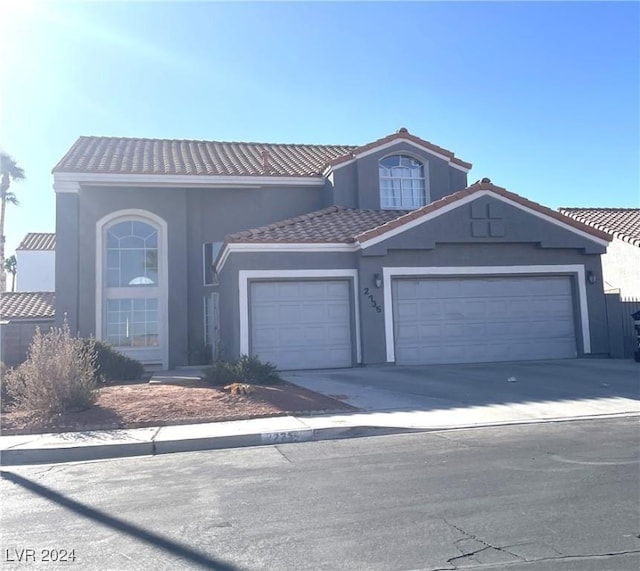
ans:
(316, 256)
(621, 263)
(20, 314)
(36, 262)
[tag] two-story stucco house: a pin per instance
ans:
(315, 256)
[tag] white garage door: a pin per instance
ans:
(474, 320)
(301, 324)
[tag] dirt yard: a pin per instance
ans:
(143, 404)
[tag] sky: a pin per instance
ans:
(543, 98)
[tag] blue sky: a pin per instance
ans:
(541, 97)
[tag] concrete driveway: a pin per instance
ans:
(613, 385)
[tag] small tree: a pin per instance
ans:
(11, 266)
(9, 171)
(58, 375)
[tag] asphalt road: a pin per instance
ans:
(561, 497)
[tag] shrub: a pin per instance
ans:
(243, 370)
(5, 398)
(112, 365)
(221, 373)
(252, 370)
(58, 375)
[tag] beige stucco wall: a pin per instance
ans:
(621, 268)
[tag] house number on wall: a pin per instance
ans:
(373, 301)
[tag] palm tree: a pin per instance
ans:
(11, 266)
(10, 171)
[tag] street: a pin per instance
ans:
(554, 496)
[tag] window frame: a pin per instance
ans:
(146, 354)
(207, 265)
(425, 181)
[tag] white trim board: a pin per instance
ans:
(71, 182)
(470, 198)
(576, 270)
(309, 248)
(244, 276)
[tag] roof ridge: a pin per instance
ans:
(224, 142)
(599, 208)
(36, 292)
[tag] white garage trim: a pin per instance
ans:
(389, 273)
(243, 287)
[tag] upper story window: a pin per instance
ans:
(132, 255)
(210, 251)
(402, 183)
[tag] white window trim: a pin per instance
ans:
(425, 171)
(576, 270)
(244, 277)
(163, 273)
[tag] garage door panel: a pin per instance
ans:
(482, 319)
(303, 324)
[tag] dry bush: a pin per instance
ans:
(58, 375)
(237, 389)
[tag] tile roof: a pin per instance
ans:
(484, 184)
(623, 223)
(27, 305)
(38, 241)
(402, 133)
(336, 224)
(121, 155)
(117, 155)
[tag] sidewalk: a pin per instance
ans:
(92, 445)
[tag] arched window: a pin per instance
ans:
(132, 254)
(402, 183)
(132, 302)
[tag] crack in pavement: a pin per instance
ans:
(453, 566)
(486, 545)
(283, 454)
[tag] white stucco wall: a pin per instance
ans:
(36, 270)
(621, 268)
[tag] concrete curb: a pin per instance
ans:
(158, 444)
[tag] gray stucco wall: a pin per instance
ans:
(66, 274)
(193, 216)
(486, 220)
(357, 185)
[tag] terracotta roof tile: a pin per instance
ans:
(338, 224)
(38, 241)
(477, 187)
(121, 155)
(623, 223)
(335, 224)
(27, 305)
(117, 155)
(402, 134)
